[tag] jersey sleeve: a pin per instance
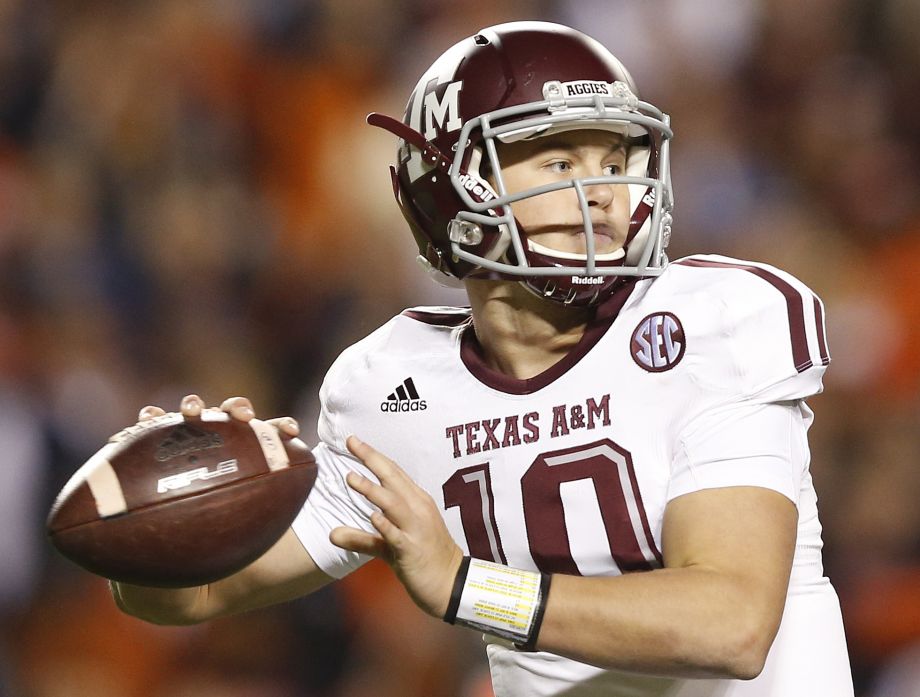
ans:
(763, 445)
(332, 503)
(760, 352)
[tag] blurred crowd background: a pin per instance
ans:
(190, 201)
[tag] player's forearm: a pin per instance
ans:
(284, 572)
(687, 622)
(168, 606)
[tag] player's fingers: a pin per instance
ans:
(239, 408)
(150, 412)
(389, 532)
(287, 425)
(359, 541)
(387, 501)
(191, 406)
(388, 472)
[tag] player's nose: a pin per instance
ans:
(600, 195)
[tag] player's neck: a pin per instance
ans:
(522, 335)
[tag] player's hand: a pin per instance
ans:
(412, 537)
(240, 408)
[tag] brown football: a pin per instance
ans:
(176, 501)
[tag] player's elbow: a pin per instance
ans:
(165, 618)
(745, 652)
(745, 662)
(169, 607)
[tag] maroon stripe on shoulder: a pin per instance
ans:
(437, 319)
(822, 342)
(794, 306)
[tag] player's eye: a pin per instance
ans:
(559, 167)
(612, 170)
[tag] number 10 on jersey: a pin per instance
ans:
(610, 470)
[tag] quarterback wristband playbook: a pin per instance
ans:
(499, 600)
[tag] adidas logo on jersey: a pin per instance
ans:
(404, 398)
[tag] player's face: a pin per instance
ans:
(555, 220)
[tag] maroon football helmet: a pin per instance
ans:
(510, 82)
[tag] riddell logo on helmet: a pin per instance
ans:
(475, 187)
(587, 280)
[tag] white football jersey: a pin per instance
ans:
(693, 380)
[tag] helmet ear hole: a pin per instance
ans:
(486, 173)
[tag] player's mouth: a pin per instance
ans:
(603, 234)
(605, 239)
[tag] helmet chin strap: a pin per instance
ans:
(573, 256)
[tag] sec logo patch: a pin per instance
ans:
(658, 343)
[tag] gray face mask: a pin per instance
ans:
(524, 81)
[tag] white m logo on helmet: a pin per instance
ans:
(443, 113)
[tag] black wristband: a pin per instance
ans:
(459, 581)
(531, 643)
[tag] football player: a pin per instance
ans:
(602, 463)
